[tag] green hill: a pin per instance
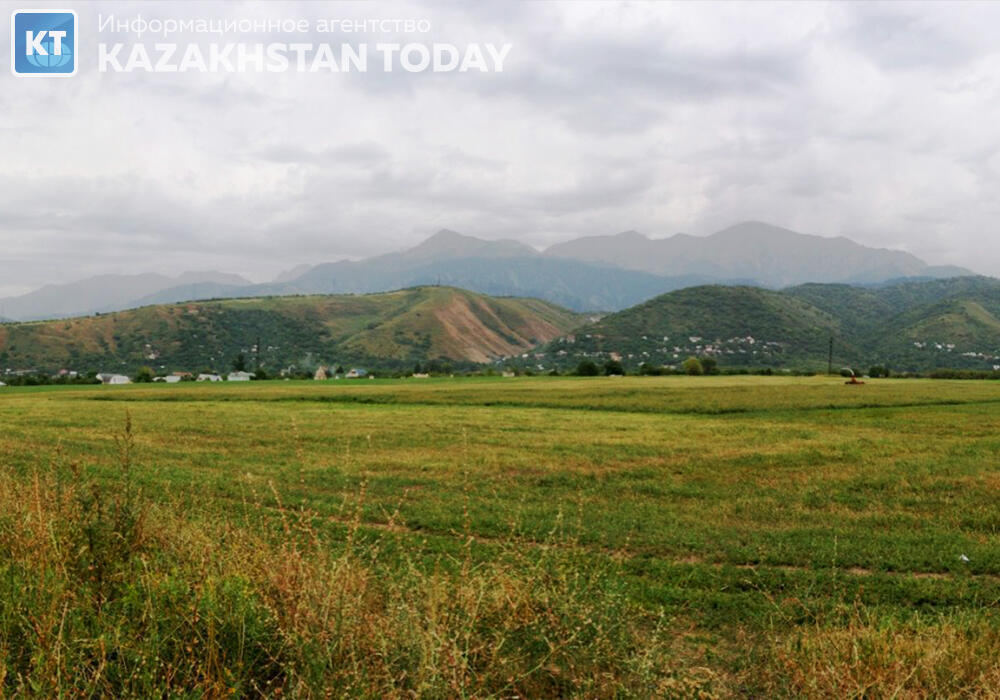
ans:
(396, 327)
(909, 326)
(743, 325)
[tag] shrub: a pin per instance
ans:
(613, 368)
(709, 365)
(587, 368)
(693, 366)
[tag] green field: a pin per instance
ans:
(660, 536)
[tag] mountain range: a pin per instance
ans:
(599, 273)
(907, 326)
(111, 293)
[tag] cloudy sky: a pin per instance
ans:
(880, 122)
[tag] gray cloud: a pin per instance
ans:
(873, 121)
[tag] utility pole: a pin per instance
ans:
(829, 360)
(256, 352)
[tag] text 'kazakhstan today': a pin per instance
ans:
(279, 57)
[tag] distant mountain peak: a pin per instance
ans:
(758, 228)
(451, 244)
(293, 273)
(631, 234)
(446, 235)
(755, 251)
(105, 293)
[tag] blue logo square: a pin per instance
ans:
(43, 43)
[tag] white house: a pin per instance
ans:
(239, 377)
(169, 379)
(357, 373)
(107, 378)
(209, 378)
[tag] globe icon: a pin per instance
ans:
(51, 60)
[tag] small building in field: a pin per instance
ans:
(239, 377)
(113, 378)
(357, 373)
(321, 374)
(169, 379)
(209, 378)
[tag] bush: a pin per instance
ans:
(587, 368)
(614, 368)
(709, 365)
(693, 366)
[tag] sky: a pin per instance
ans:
(879, 122)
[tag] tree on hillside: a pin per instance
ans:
(587, 368)
(693, 366)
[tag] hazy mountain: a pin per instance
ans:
(187, 292)
(293, 273)
(909, 326)
(400, 327)
(103, 293)
(576, 285)
(599, 273)
(614, 272)
(773, 256)
(446, 245)
(501, 267)
(570, 283)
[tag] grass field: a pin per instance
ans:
(667, 536)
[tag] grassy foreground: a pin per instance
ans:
(650, 537)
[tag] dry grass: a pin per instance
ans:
(104, 594)
(939, 657)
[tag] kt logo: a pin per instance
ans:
(43, 43)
